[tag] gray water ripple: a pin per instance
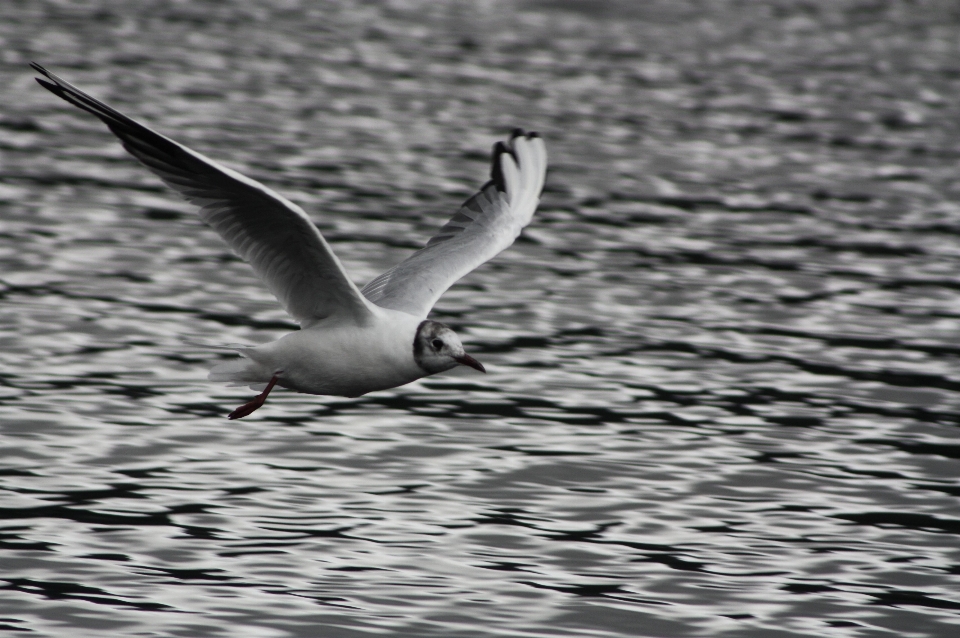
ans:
(722, 391)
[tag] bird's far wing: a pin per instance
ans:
(486, 224)
(274, 235)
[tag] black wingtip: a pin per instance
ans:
(44, 83)
(496, 173)
(48, 81)
(132, 134)
(519, 132)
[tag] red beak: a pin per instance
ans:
(467, 360)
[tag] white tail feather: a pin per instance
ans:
(241, 371)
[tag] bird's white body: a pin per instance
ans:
(351, 341)
(334, 358)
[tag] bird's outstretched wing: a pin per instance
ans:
(486, 224)
(273, 234)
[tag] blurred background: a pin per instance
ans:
(724, 385)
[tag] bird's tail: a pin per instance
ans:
(241, 371)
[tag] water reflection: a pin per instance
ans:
(723, 374)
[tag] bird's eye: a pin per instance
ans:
(437, 344)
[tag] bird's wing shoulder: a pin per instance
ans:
(485, 225)
(270, 232)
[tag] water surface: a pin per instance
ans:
(724, 384)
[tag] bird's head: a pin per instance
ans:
(437, 348)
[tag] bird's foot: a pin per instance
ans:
(251, 406)
(245, 409)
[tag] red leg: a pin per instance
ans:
(250, 406)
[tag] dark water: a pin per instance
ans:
(724, 387)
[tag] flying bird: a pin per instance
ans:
(351, 341)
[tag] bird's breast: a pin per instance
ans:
(346, 360)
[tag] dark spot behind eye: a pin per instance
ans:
(437, 344)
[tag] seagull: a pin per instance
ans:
(350, 341)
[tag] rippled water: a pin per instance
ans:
(724, 385)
